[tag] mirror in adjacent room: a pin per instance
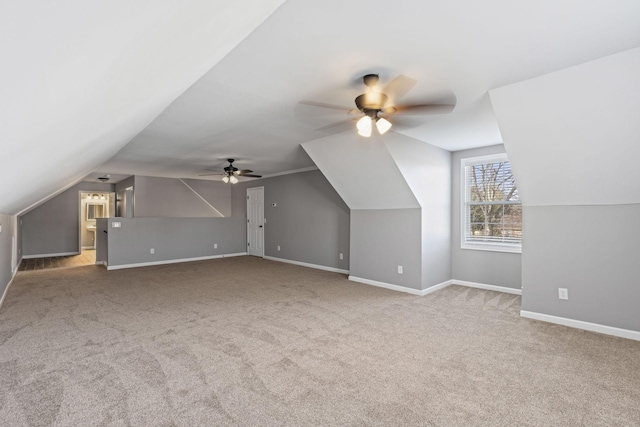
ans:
(95, 210)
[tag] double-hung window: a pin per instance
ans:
(491, 208)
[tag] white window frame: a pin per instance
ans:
(481, 246)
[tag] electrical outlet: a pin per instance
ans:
(341, 256)
(278, 248)
(400, 269)
(563, 293)
(153, 251)
(215, 246)
(116, 224)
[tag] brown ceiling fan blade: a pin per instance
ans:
(251, 175)
(398, 87)
(242, 172)
(424, 108)
(325, 105)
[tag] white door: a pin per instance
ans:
(255, 221)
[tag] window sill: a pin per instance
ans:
(516, 249)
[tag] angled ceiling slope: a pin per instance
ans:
(80, 79)
(573, 136)
(247, 106)
(85, 79)
(394, 172)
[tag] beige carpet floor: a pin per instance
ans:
(249, 342)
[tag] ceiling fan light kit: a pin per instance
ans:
(365, 127)
(230, 178)
(231, 173)
(373, 102)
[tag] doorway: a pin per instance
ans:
(255, 221)
(93, 205)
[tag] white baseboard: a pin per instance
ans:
(305, 264)
(487, 287)
(579, 324)
(171, 261)
(420, 292)
(50, 255)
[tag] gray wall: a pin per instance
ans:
(594, 252)
(53, 227)
(6, 269)
(171, 198)
(310, 222)
(383, 239)
(172, 239)
(490, 268)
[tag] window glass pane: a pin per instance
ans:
(490, 182)
(492, 209)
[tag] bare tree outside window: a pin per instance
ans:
(493, 209)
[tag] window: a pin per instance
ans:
(492, 212)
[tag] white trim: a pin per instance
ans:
(305, 264)
(488, 158)
(50, 255)
(492, 247)
(579, 324)
(412, 291)
(487, 287)
(203, 199)
(480, 246)
(6, 289)
(435, 288)
(171, 261)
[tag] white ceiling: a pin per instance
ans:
(582, 147)
(84, 81)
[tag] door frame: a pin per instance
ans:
(112, 196)
(261, 222)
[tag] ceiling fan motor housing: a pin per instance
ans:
(371, 101)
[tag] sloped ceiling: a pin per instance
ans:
(81, 78)
(364, 174)
(573, 137)
(168, 88)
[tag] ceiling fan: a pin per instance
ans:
(375, 107)
(231, 173)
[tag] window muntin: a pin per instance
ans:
(492, 212)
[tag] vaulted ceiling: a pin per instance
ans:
(169, 88)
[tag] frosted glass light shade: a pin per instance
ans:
(383, 125)
(364, 126)
(225, 179)
(233, 179)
